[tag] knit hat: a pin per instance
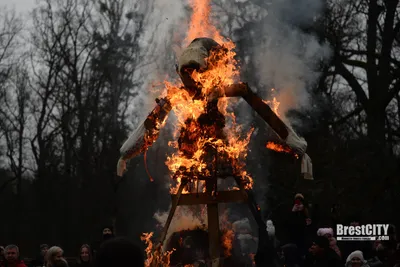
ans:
(299, 196)
(355, 254)
(322, 242)
(108, 227)
(324, 231)
(270, 228)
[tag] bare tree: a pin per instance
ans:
(364, 35)
(87, 53)
(14, 119)
(11, 27)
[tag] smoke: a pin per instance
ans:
(281, 55)
(285, 57)
(162, 19)
(185, 218)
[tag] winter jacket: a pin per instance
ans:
(333, 245)
(329, 259)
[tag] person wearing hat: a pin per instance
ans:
(297, 224)
(356, 259)
(321, 255)
(108, 233)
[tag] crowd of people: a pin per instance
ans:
(112, 252)
(312, 244)
(308, 244)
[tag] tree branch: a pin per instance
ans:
(355, 63)
(355, 112)
(353, 83)
(392, 92)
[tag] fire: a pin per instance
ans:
(200, 141)
(280, 148)
(227, 240)
(196, 139)
(154, 257)
(274, 103)
(228, 234)
(200, 25)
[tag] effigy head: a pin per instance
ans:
(194, 57)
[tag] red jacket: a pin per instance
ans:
(19, 263)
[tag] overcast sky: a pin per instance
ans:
(20, 5)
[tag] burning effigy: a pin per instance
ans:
(210, 144)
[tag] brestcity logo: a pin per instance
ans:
(365, 232)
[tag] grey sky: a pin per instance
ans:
(21, 6)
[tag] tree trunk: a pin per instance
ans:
(376, 129)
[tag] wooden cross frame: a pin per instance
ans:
(211, 197)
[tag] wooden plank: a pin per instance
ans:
(171, 213)
(234, 196)
(214, 240)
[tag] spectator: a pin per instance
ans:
(328, 233)
(298, 221)
(54, 257)
(346, 248)
(291, 256)
(118, 252)
(39, 261)
(321, 255)
(387, 251)
(108, 233)
(356, 259)
(11, 254)
(85, 256)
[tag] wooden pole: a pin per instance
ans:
(175, 203)
(213, 228)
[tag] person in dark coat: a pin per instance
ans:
(291, 255)
(118, 252)
(321, 255)
(107, 234)
(40, 259)
(297, 225)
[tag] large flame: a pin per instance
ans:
(200, 25)
(188, 162)
(221, 71)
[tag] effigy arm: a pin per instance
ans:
(145, 134)
(285, 132)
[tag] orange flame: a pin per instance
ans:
(154, 257)
(228, 234)
(190, 161)
(200, 25)
(221, 71)
(280, 148)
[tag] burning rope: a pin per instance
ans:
(147, 169)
